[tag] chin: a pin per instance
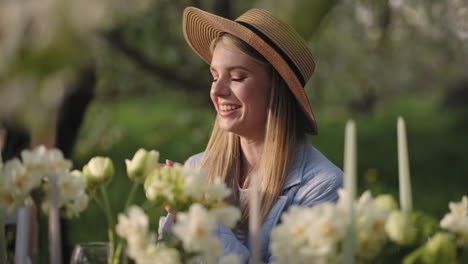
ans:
(228, 128)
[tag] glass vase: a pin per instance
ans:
(94, 253)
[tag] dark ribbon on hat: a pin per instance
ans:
(277, 49)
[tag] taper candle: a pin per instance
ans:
(350, 159)
(406, 201)
(54, 223)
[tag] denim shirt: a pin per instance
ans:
(312, 179)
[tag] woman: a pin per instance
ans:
(259, 67)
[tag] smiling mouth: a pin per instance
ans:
(228, 107)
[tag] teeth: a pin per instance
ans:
(228, 107)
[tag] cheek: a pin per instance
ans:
(212, 97)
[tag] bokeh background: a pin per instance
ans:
(94, 80)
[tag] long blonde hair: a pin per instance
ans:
(285, 128)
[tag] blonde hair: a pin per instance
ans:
(285, 128)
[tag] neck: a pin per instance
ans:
(251, 153)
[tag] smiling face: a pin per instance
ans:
(240, 91)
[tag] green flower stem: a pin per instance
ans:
(131, 195)
(2, 238)
(415, 256)
(99, 203)
(118, 251)
(110, 222)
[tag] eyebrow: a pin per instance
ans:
(235, 67)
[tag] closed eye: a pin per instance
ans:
(237, 79)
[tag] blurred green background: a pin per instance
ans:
(376, 60)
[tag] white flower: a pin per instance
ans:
(72, 194)
(15, 185)
(309, 234)
(370, 226)
(43, 161)
(217, 190)
(457, 220)
(21, 181)
(229, 215)
(157, 254)
(195, 229)
(69, 187)
(195, 182)
(230, 259)
(400, 229)
(99, 170)
(77, 205)
(142, 164)
(135, 224)
(9, 201)
(141, 244)
(164, 183)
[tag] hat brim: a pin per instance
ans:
(200, 28)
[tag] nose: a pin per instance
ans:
(220, 88)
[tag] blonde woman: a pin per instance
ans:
(259, 67)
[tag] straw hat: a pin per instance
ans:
(279, 43)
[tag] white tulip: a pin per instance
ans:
(99, 170)
(400, 229)
(386, 201)
(440, 248)
(142, 164)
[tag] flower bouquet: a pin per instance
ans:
(27, 182)
(383, 233)
(198, 208)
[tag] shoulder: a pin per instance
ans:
(194, 160)
(321, 179)
(317, 166)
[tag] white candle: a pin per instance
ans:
(406, 201)
(54, 223)
(254, 219)
(350, 160)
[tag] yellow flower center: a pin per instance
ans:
(299, 231)
(200, 231)
(326, 229)
(377, 225)
(19, 181)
